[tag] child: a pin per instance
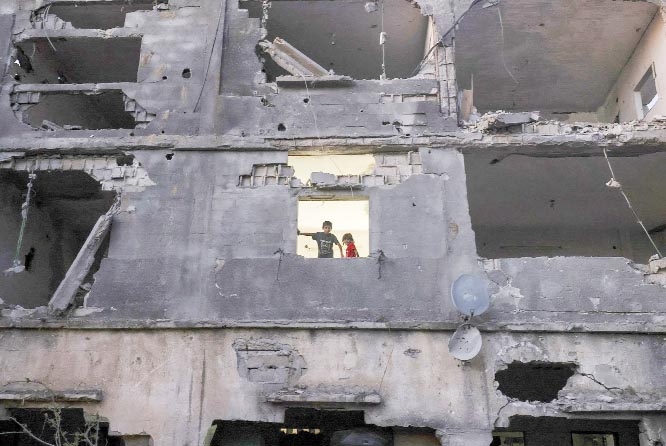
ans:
(325, 240)
(348, 240)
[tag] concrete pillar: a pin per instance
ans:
(652, 431)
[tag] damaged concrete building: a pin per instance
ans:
(158, 158)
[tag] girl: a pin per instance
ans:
(348, 241)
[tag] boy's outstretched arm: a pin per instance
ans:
(309, 234)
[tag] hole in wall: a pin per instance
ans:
(80, 111)
(187, 73)
(88, 15)
(281, 127)
(125, 160)
(78, 60)
(327, 32)
(64, 208)
(524, 206)
(169, 156)
(534, 381)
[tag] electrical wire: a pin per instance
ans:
(314, 117)
(444, 36)
(616, 184)
(44, 18)
(210, 58)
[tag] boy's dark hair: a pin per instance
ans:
(347, 236)
(327, 223)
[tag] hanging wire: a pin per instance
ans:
(444, 36)
(321, 145)
(616, 185)
(16, 263)
(382, 42)
(44, 18)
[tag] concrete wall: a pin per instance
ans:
(212, 246)
(622, 97)
(187, 379)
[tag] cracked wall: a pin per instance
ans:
(204, 383)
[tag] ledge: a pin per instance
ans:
(65, 396)
(322, 396)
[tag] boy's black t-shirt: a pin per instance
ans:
(325, 243)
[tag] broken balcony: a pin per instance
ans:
(581, 61)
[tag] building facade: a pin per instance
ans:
(159, 158)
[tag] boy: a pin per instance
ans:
(325, 240)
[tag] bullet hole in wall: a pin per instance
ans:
(187, 73)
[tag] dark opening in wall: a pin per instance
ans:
(526, 206)
(534, 381)
(85, 111)
(343, 36)
(89, 15)
(53, 426)
(574, 432)
(63, 210)
(313, 427)
(78, 60)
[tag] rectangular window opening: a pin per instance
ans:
(348, 217)
(508, 439)
(80, 111)
(593, 439)
(646, 90)
(77, 60)
(88, 15)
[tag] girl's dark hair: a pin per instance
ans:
(347, 236)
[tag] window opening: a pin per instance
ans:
(89, 15)
(36, 427)
(575, 432)
(65, 207)
(508, 439)
(314, 427)
(593, 439)
(344, 37)
(348, 217)
(69, 111)
(78, 60)
(646, 92)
